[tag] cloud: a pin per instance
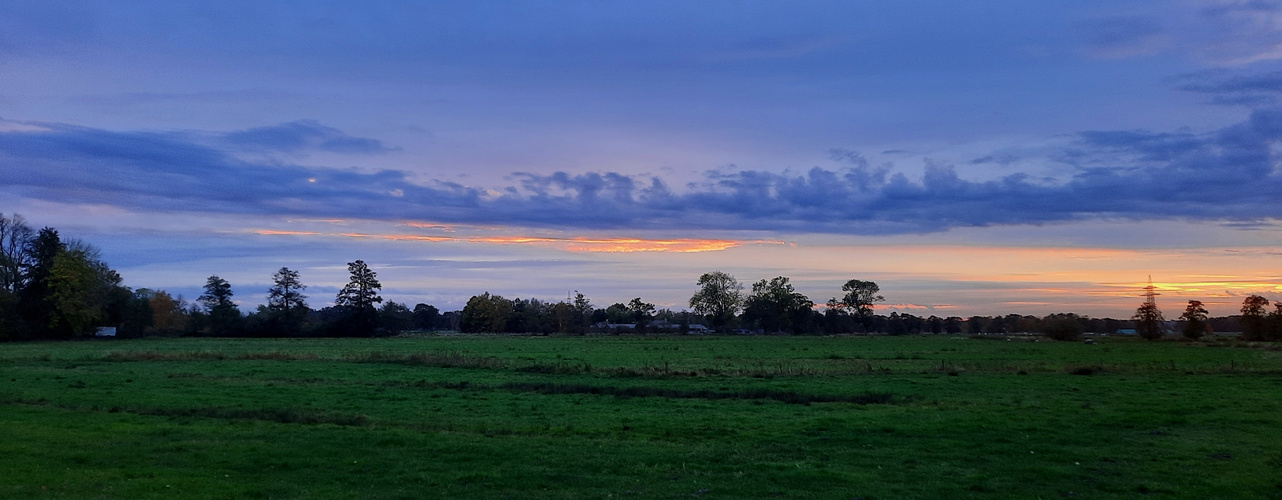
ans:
(1243, 32)
(303, 135)
(1124, 37)
(1226, 175)
(1251, 90)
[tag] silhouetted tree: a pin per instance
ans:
(860, 297)
(224, 315)
(362, 290)
(1148, 321)
(286, 304)
(775, 305)
(357, 299)
(719, 297)
(1194, 319)
(286, 293)
(1254, 308)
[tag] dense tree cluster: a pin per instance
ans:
(488, 313)
(52, 288)
(1258, 324)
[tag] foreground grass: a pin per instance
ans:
(717, 417)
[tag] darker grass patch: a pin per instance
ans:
(441, 384)
(790, 397)
(277, 356)
(444, 359)
(556, 368)
(280, 415)
(164, 356)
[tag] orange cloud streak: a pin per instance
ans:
(581, 244)
(399, 237)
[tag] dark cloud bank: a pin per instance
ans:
(1224, 175)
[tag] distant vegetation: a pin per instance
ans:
(51, 288)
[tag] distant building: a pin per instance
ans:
(617, 326)
(1126, 331)
(105, 331)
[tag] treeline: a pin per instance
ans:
(356, 311)
(1257, 322)
(56, 289)
(774, 306)
(51, 288)
(488, 313)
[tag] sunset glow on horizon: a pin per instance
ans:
(1050, 159)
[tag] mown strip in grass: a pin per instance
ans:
(791, 397)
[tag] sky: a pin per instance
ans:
(972, 158)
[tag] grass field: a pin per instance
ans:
(636, 417)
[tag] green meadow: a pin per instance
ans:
(452, 416)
